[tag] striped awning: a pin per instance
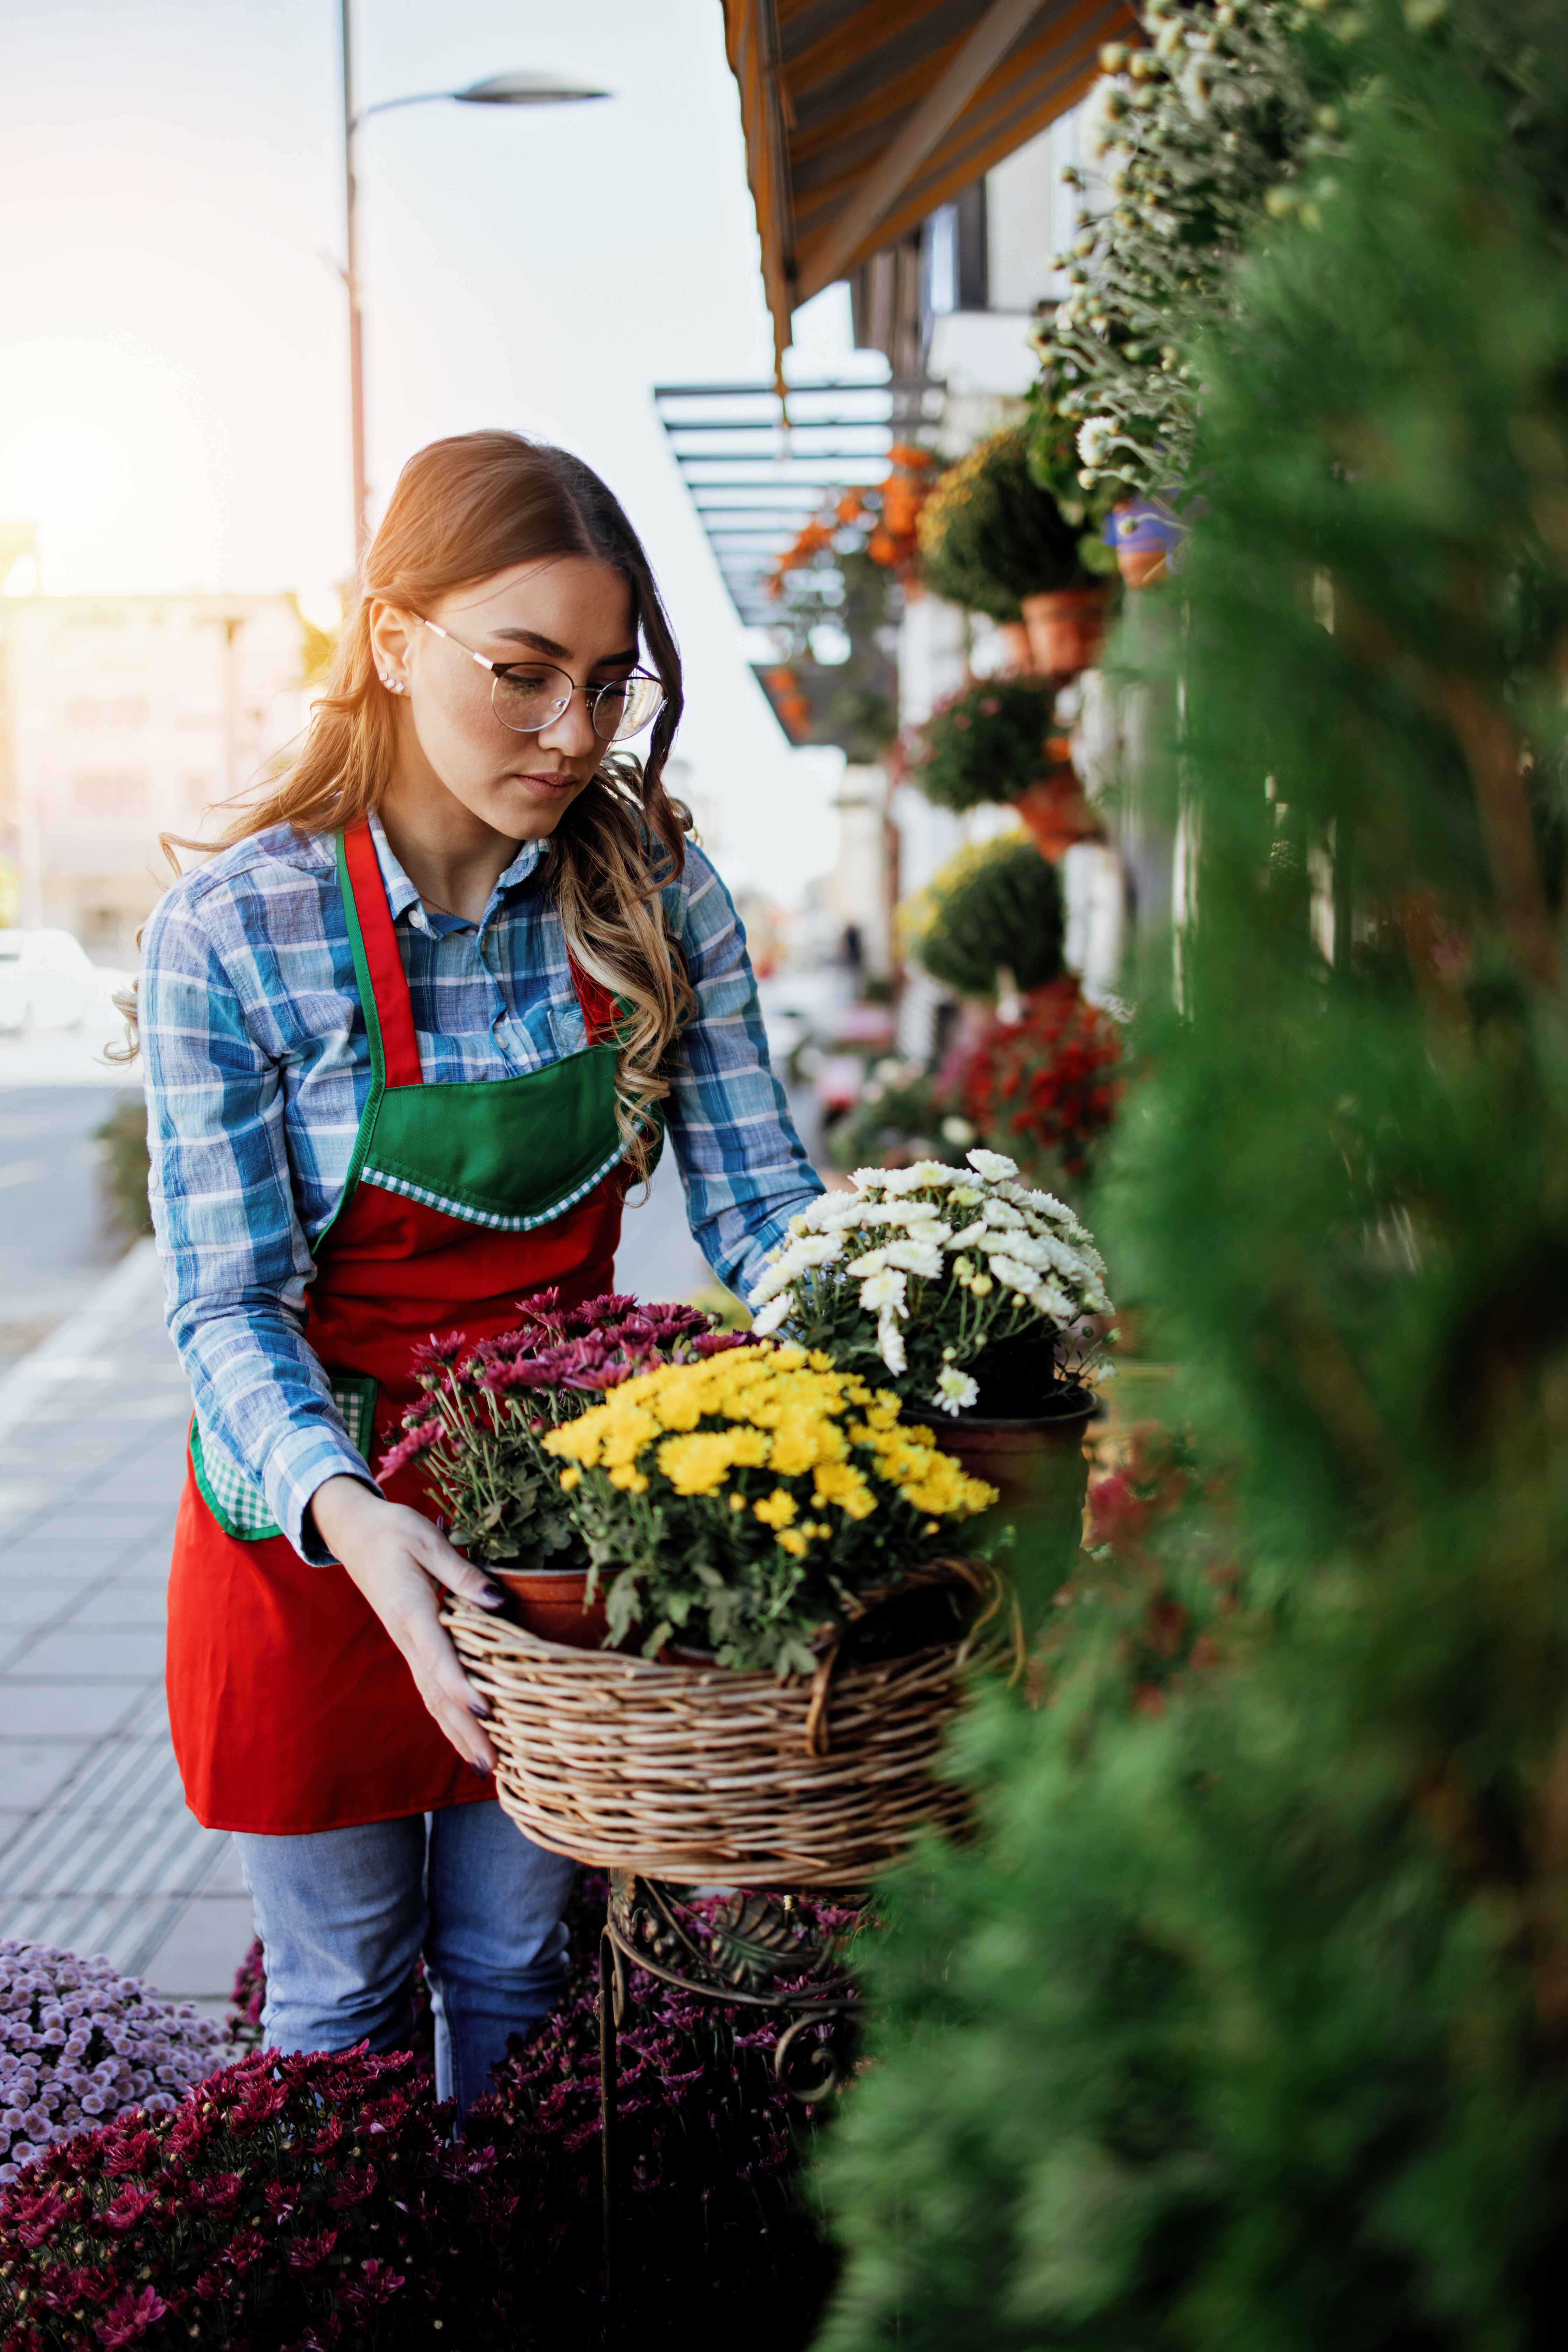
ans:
(863, 116)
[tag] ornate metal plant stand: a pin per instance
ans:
(758, 1952)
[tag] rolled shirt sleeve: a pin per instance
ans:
(235, 1260)
(743, 1166)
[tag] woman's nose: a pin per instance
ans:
(573, 733)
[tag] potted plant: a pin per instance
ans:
(986, 743)
(978, 1300)
(995, 907)
(1047, 1084)
(790, 1611)
(481, 1431)
(993, 540)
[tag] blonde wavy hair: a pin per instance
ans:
(463, 510)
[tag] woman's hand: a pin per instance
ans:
(399, 1558)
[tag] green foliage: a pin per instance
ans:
(989, 535)
(995, 905)
(1243, 2021)
(984, 744)
(1194, 132)
(123, 1166)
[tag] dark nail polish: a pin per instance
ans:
(480, 1771)
(481, 1708)
(492, 1597)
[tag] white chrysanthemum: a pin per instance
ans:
(769, 1285)
(890, 1343)
(922, 1258)
(1014, 1273)
(965, 1196)
(869, 1261)
(813, 1250)
(1023, 1247)
(955, 1391)
(969, 1236)
(932, 1231)
(885, 1292)
(869, 1180)
(994, 1165)
(1004, 1217)
(1101, 111)
(778, 1310)
(924, 1175)
(1094, 438)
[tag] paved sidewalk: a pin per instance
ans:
(98, 1851)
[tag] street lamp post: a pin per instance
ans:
(496, 89)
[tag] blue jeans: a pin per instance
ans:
(343, 1915)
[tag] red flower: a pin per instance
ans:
(309, 2253)
(127, 2210)
(131, 2315)
(376, 2283)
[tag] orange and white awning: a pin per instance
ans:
(863, 116)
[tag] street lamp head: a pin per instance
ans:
(525, 89)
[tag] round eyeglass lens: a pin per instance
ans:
(625, 707)
(527, 699)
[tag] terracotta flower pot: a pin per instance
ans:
(1066, 630)
(1041, 1472)
(1014, 636)
(1057, 811)
(549, 1601)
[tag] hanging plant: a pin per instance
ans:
(988, 743)
(995, 907)
(1225, 113)
(989, 535)
(847, 571)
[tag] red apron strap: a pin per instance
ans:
(389, 1015)
(597, 1004)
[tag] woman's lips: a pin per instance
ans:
(558, 786)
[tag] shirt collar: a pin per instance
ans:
(401, 894)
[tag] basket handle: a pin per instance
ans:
(950, 1569)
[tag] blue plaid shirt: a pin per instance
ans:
(258, 1068)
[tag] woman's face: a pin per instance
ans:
(454, 754)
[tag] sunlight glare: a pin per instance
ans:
(57, 475)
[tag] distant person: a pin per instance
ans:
(410, 1037)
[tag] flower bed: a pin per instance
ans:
(79, 2043)
(296, 2204)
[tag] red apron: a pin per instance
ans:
(291, 1708)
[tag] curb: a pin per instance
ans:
(73, 1350)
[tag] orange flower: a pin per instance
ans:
(850, 507)
(913, 459)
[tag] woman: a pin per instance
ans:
(409, 1038)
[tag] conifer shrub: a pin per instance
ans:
(1243, 2019)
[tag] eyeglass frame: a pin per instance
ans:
(503, 669)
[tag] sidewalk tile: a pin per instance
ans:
(64, 1710)
(119, 1653)
(31, 1603)
(130, 1605)
(31, 1770)
(200, 1955)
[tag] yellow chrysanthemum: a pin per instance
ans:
(841, 1483)
(777, 1509)
(570, 1478)
(793, 1541)
(699, 1464)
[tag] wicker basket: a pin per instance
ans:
(696, 1772)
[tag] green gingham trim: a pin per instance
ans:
(470, 1216)
(233, 1498)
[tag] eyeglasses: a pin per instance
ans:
(528, 695)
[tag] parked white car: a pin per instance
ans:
(48, 981)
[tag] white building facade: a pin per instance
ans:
(123, 718)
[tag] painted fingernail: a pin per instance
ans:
(492, 1596)
(480, 1771)
(480, 1706)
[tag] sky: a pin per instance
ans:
(173, 346)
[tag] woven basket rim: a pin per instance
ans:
(671, 1676)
